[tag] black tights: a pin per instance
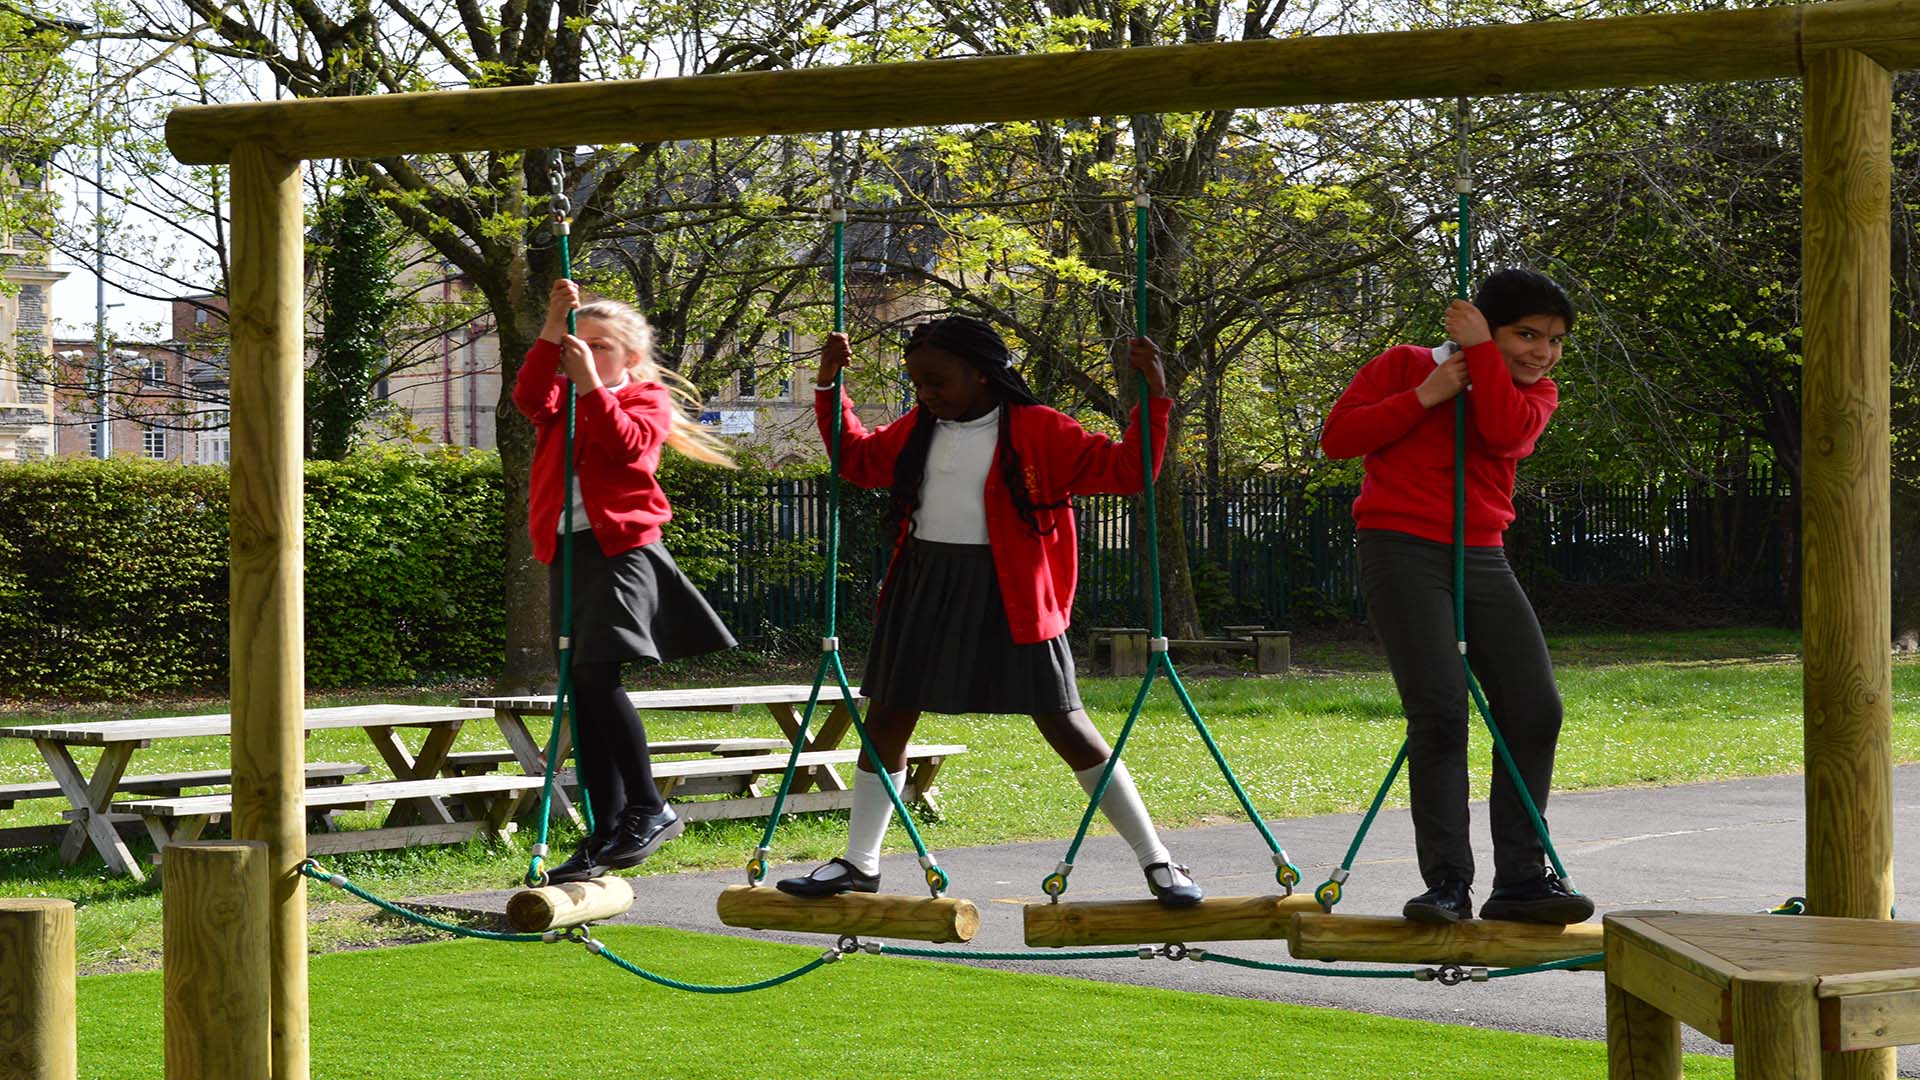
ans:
(614, 764)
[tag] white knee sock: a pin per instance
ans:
(867, 825)
(1123, 807)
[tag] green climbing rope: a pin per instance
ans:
(1159, 660)
(830, 663)
(563, 692)
(1330, 891)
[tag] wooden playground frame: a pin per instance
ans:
(1844, 51)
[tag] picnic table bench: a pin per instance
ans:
(95, 817)
(319, 773)
(740, 768)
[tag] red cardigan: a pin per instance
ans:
(1409, 448)
(1037, 572)
(616, 448)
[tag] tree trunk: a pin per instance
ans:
(1906, 567)
(530, 661)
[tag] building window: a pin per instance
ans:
(786, 363)
(153, 443)
(749, 379)
(153, 371)
(216, 438)
(93, 439)
(199, 316)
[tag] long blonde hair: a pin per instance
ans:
(632, 332)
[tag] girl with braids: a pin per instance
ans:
(973, 613)
(630, 600)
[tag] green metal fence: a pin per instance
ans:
(1279, 552)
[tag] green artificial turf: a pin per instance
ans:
(480, 1011)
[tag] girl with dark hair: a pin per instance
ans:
(1501, 348)
(973, 614)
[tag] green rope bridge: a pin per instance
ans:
(1055, 884)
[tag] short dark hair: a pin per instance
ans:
(1507, 296)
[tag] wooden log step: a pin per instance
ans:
(1475, 942)
(920, 918)
(575, 903)
(1148, 922)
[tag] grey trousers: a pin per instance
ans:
(1408, 585)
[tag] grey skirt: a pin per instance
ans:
(636, 605)
(941, 642)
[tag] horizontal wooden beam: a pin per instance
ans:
(921, 918)
(1477, 942)
(1716, 46)
(1148, 922)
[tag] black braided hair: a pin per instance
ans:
(978, 344)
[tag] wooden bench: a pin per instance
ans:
(183, 818)
(478, 762)
(1128, 648)
(319, 773)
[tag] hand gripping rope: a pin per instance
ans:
(830, 663)
(1287, 874)
(563, 692)
(1329, 892)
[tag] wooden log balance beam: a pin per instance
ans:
(1643, 50)
(554, 907)
(919, 918)
(1475, 942)
(1142, 922)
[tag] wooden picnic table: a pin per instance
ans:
(736, 768)
(91, 798)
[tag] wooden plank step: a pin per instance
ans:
(343, 795)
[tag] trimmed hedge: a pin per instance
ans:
(113, 574)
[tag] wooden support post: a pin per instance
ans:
(922, 918)
(38, 1036)
(1480, 942)
(266, 630)
(217, 960)
(1142, 922)
(1776, 1027)
(1273, 651)
(1846, 582)
(1643, 1043)
(575, 903)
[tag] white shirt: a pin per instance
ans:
(580, 522)
(953, 504)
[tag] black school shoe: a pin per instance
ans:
(637, 836)
(812, 887)
(1182, 892)
(581, 867)
(1545, 899)
(1448, 902)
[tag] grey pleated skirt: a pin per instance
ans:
(941, 642)
(636, 605)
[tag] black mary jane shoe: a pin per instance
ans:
(1448, 902)
(638, 836)
(1181, 892)
(581, 867)
(850, 879)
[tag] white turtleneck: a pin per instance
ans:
(953, 507)
(580, 522)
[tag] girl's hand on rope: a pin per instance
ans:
(834, 355)
(1445, 383)
(562, 300)
(1466, 327)
(577, 359)
(1143, 356)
